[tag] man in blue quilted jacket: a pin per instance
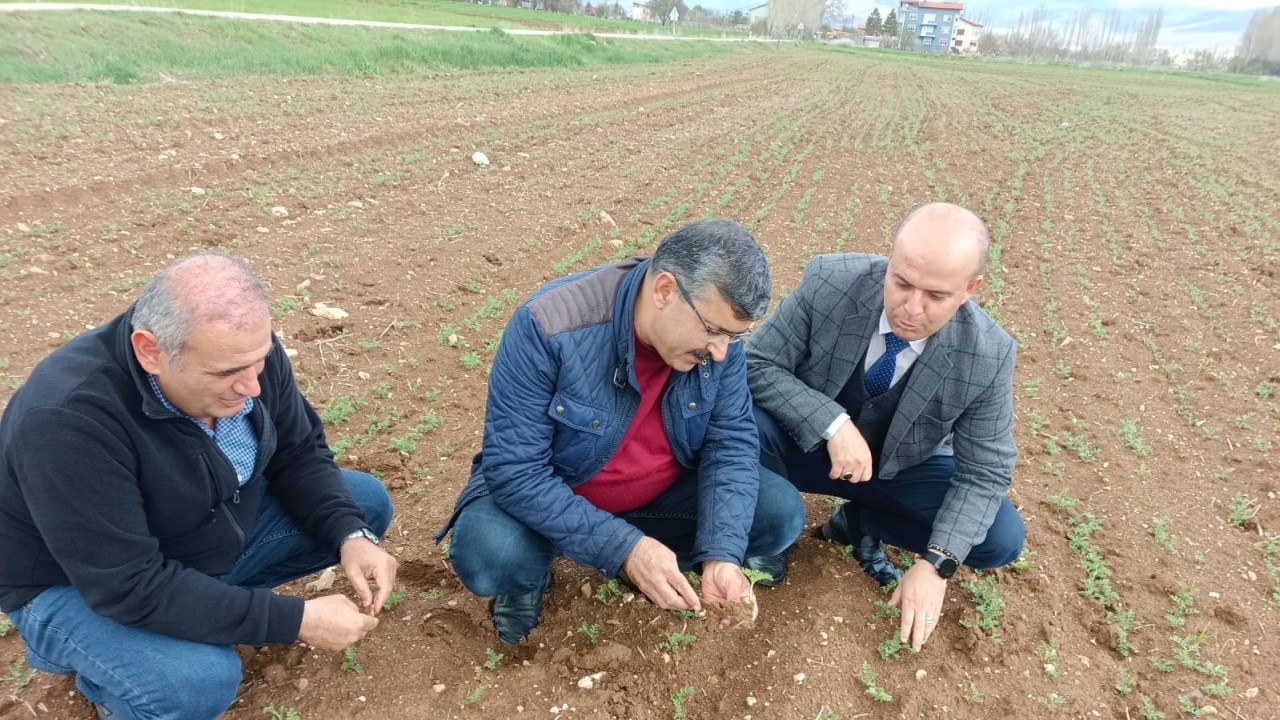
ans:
(619, 433)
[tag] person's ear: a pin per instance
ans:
(148, 351)
(664, 290)
(974, 284)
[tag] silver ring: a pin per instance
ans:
(930, 619)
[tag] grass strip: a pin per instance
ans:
(126, 48)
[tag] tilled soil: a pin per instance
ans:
(1135, 218)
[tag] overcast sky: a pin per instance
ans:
(1209, 24)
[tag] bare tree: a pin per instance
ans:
(1260, 44)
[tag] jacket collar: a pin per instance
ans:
(624, 321)
(152, 407)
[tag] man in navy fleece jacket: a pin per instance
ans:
(158, 476)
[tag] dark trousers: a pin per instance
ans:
(901, 510)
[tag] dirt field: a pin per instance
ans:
(1137, 222)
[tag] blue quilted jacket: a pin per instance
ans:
(562, 393)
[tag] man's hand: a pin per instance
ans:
(361, 561)
(723, 582)
(919, 594)
(652, 567)
(333, 622)
(850, 456)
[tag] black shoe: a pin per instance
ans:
(866, 548)
(775, 566)
(515, 616)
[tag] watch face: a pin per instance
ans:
(946, 567)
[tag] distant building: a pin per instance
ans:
(641, 12)
(965, 37)
(759, 12)
(932, 23)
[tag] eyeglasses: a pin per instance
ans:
(713, 335)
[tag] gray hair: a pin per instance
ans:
(718, 254)
(207, 286)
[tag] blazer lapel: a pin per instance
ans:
(854, 338)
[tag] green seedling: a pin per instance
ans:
(473, 697)
(5, 625)
(1127, 430)
(590, 631)
(693, 578)
(1160, 533)
(988, 600)
(432, 594)
(1147, 709)
(1025, 561)
(685, 614)
(395, 598)
(885, 610)
(677, 641)
(609, 592)
(281, 713)
(973, 695)
(1053, 700)
(1240, 509)
(756, 576)
(1051, 659)
(678, 699)
(1184, 604)
(867, 676)
(1125, 684)
(1062, 500)
(892, 647)
(351, 660)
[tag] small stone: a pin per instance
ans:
(219, 136)
(438, 688)
(355, 204)
(585, 590)
(301, 684)
(1251, 692)
(771, 653)
(838, 619)
(1208, 710)
(921, 673)
(23, 227)
(1252, 575)
(291, 352)
(480, 158)
(362, 699)
(799, 678)
(751, 701)
(280, 211)
(363, 375)
(1215, 595)
(1084, 661)
(262, 230)
(197, 191)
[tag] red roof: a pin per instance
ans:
(967, 20)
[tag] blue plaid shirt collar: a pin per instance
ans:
(233, 435)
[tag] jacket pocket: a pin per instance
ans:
(578, 415)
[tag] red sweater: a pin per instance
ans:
(643, 466)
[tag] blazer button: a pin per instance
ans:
(559, 409)
(693, 406)
(595, 424)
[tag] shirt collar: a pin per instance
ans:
(155, 387)
(916, 345)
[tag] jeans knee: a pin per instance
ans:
(200, 685)
(779, 517)
(368, 492)
(497, 558)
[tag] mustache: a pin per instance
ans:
(702, 355)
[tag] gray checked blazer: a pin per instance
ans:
(958, 399)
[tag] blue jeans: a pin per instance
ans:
(140, 674)
(495, 554)
(899, 511)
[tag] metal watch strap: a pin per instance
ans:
(363, 532)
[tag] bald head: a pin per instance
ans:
(199, 289)
(935, 265)
(946, 234)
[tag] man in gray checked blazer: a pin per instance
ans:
(879, 381)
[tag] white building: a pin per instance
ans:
(965, 39)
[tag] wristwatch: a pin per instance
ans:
(363, 532)
(941, 560)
